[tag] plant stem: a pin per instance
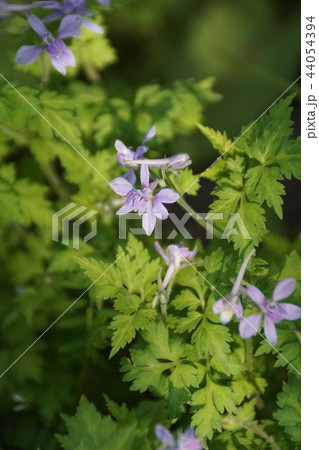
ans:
(249, 355)
(19, 137)
(297, 334)
(55, 181)
(200, 220)
(262, 434)
(164, 309)
(45, 69)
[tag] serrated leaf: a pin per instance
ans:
(218, 140)
(213, 339)
(125, 327)
(209, 403)
(289, 412)
(264, 182)
(89, 430)
(186, 182)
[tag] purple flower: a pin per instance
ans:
(17, 8)
(105, 3)
(272, 311)
(148, 204)
(174, 255)
(125, 154)
(127, 157)
(78, 7)
(231, 304)
(61, 57)
(185, 441)
(178, 161)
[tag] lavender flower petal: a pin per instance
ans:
(256, 295)
(121, 147)
(150, 134)
(289, 311)
(27, 54)
(121, 186)
(130, 177)
(9, 7)
(51, 17)
(92, 26)
(70, 26)
(164, 436)
(160, 251)
(270, 330)
(284, 289)
(105, 3)
(219, 306)
(160, 210)
(125, 209)
(249, 325)
(188, 254)
(61, 57)
(37, 25)
(188, 441)
(141, 150)
(148, 220)
(237, 309)
(226, 316)
(123, 152)
(167, 196)
(145, 176)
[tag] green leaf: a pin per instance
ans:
(186, 182)
(189, 322)
(145, 371)
(163, 360)
(246, 387)
(212, 339)
(125, 327)
(218, 140)
(288, 349)
(208, 404)
(289, 412)
(264, 182)
(186, 299)
(89, 430)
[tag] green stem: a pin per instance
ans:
(200, 220)
(55, 181)
(164, 309)
(45, 69)
(19, 137)
(297, 334)
(262, 434)
(249, 355)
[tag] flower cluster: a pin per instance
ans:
(185, 441)
(271, 311)
(72, 14)
(147, 201)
